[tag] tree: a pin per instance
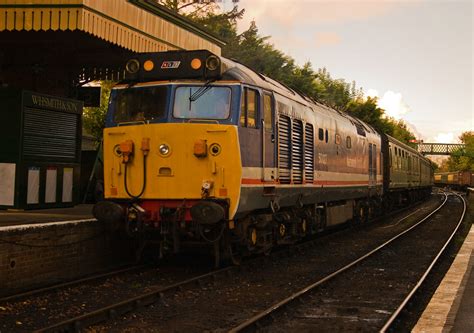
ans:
(367, 110)
(189, 7)
(94, 118)
(402, 133)
(463, 160)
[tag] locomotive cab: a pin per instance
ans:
(171, 149)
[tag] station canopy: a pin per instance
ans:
(53, 46)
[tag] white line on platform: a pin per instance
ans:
(42, 225)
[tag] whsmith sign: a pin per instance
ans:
(42, 101)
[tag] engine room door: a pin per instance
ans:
(372, 165)
(268, 139)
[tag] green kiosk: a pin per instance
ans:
(40, 147)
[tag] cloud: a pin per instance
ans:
(392, 102)
(445, 138)
(288, 14)
(372, 93)
(327, 39)
(395, 107)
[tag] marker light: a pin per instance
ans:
(212, 62)
(148, 65)
(164, 149)
(196, 63)
(132, 66)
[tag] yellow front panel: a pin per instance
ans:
(181, 174)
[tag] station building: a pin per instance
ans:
(49, 50)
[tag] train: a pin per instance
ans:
(200, 149)
(458, 180)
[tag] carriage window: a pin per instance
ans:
(249, 107)
(327, 136)
(338, 139)
(348, 142)
(321, 134)
(267, 112)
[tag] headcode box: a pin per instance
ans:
(40, 150)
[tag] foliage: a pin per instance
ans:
(94, 118)
(402, 133)
(463, 160)
(189, 7)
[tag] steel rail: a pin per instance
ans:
(120, 308)
(402, 305)
(255, 320)
(34, 292)
(114, 310)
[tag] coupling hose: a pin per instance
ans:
(135, 197)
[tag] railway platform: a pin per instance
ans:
(451, 308)
(27, 217)
(42, 247)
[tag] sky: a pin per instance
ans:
(416, 56)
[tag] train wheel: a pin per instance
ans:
(217, 254)
(235, 256)
(303, 227)
(281, 230)
(373, 209)
(231, 250)
(361, 212)
(252, 236)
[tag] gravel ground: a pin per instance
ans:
(48, 308)
(214, 307)
(364, 297)
(410, 314)
(227, 302)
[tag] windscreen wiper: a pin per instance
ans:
(201, 91)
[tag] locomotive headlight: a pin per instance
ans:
(215, 149)
(212, 62)
(164, 149)
(132, 66)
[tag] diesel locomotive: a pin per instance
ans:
(202, 149)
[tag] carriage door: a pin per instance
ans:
(268, 139)
(372, 165)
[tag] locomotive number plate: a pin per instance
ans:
(170, 64)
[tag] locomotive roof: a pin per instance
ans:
(232, 69)
(237, 71)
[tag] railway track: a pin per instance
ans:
(166, 293)
(55, 287)
(317, 307)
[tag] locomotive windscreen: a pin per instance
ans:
(202, 102)
(140, 103)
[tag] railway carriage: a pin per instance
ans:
(202, 148)
(459, 180)
(408, 175)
